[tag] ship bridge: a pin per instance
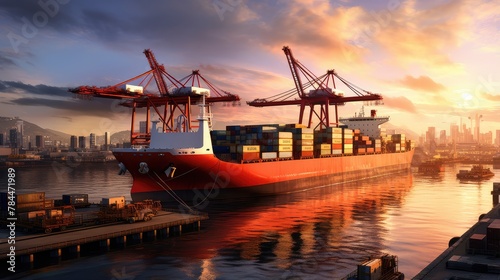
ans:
(368, 125)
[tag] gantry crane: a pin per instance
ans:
(176, 97)
(321, 93)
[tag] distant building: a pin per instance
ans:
(454, 133)
(13, 137)
(497, 137)
(1, 140)
(20, 134)
(73, 142)
(81, 142)
(442, 137)
(92, 140)
(39, 141)
(106, 143)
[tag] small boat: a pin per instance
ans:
(477, 172)
(431, 167)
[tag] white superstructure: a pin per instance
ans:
(369, 125)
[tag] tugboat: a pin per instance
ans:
(478, 172)
(431, 167)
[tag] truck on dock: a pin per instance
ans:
(48, 219)
(115, 209)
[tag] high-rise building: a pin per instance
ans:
(2, 141)
(13, 138)
(39, 141)
(106, 141)
(73, 143)
(92, 140)
(454, 133)
(20, 134)
(81, 142)
(442, 137)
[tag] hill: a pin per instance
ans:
(31, 130)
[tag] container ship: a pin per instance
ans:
(174, 161)
(253, 160)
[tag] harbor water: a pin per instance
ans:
(321, 233)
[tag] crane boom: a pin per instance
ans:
(321, 94)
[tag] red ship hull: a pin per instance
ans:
(201, 178)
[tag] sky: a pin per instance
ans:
(434, 62)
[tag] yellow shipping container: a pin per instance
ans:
(304, 136)
(337, 141)
(305, 148)
(248, 148)
(285, 141)
(285, 148)
(323, 146)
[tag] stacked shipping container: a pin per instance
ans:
(277, 142)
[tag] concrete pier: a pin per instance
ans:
(72, 243)
(471, 256)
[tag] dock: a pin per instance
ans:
(474, 255)
(33, 250)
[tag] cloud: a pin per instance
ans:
(424, 37)
(401, 103)
(422, 83)
(490, 97)
(52, 97)
(20, 87)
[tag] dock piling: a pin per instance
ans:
(495, 193)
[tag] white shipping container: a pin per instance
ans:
(285, 135)
(285, 154)
(269, 155)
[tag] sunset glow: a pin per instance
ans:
(429, 59)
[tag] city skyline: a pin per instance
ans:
(431, 60)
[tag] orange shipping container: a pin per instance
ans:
(249, 156)
(337, 147)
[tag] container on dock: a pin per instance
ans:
(30, 197)
(26, 216)
(370, 270)
(77, 200)
(49, 203)
(493, 230)
(118, 202)
(30, 206)
(477, 241)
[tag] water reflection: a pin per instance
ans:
(321, 233)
